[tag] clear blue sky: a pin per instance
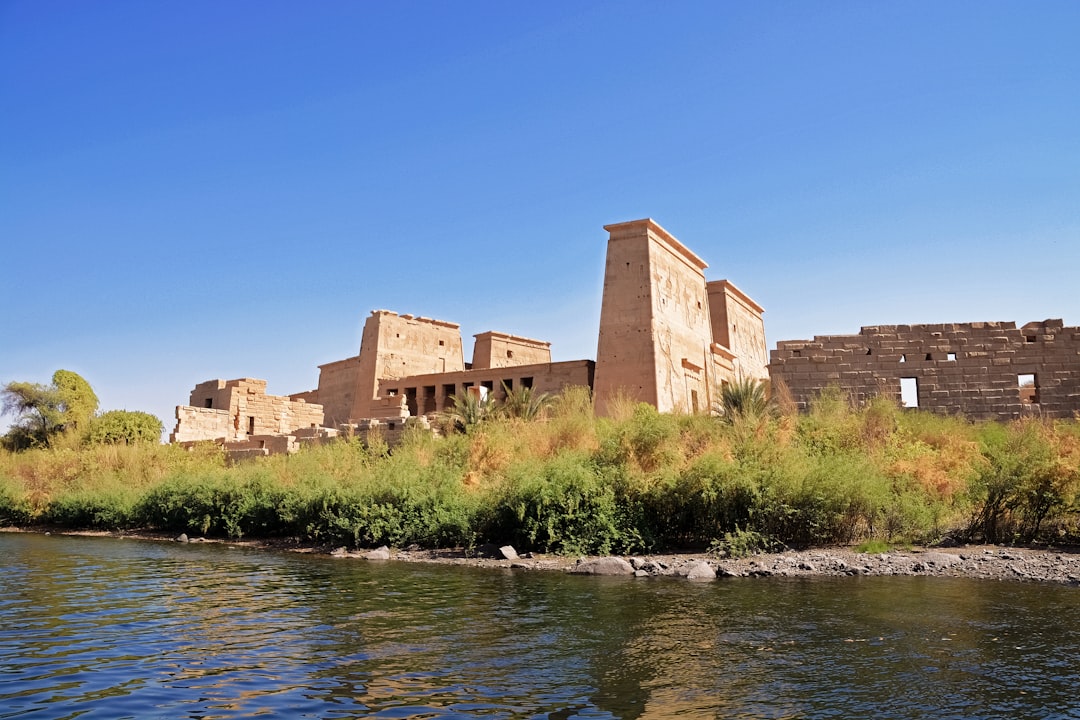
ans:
(191, 190)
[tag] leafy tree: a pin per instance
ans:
(37, 413)
(42, 411)
(78, 402)
(124, 427)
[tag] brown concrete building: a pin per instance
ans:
(984, 370)
(667, 337)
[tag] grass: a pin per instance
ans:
(572, 483)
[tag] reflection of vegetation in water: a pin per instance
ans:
(573, 483)
(191, 629)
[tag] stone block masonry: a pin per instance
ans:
(667, 337)
(236, 410)
(983, 370)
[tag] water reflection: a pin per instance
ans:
(117, 628)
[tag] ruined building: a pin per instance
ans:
(667, 337)
(240, 415)
(984, 370)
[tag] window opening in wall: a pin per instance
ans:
(251, 425)
(951, 357)
(466, 385)
(929, 356)
(796, 353)
(442, 343)
(429, 400)
(526, 382)
(903, 358)
(508, 384)
(869, 351)
(209, 403)
(262, 444)
(909, 392)
(1029, 388)
(390, 426)
(449, 390)
(391, 392)
(410, 401)
(488, 384)
(509, 353)
(1029, 338)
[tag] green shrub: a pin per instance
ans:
(123, 427)
(85, 510)
(15, 509)
(1020, 483)
(563, 506)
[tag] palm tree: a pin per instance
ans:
(468, 410)
(524, 404)
(743, 399)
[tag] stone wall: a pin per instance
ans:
(496, 350)
(984, 370)
(232, 410)
(199, 423)
(336, 391)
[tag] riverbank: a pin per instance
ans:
(1053, 565)
(1060, 565)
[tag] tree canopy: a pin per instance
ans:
(41, 412)
(77, 400)
(37, 413)
(124, 427)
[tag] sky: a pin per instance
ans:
(194, 189)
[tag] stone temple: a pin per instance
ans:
(667, 337)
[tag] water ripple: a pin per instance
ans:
(103, 628)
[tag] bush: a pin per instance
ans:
(563, 506)
(14, 509)
(123, 427)
(1021, 481)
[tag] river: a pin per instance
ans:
(114, 628)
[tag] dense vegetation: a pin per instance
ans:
(573, 483)
(65, 413)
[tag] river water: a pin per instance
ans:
(111, 628)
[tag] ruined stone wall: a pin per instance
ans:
(212, 394)
(496, 350)
(738, 325)
(425, 394)
(976, 369)
(247, 410)
(198, 423)
(395, 346)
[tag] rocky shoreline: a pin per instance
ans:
(1055, 565)
(1059, 565)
